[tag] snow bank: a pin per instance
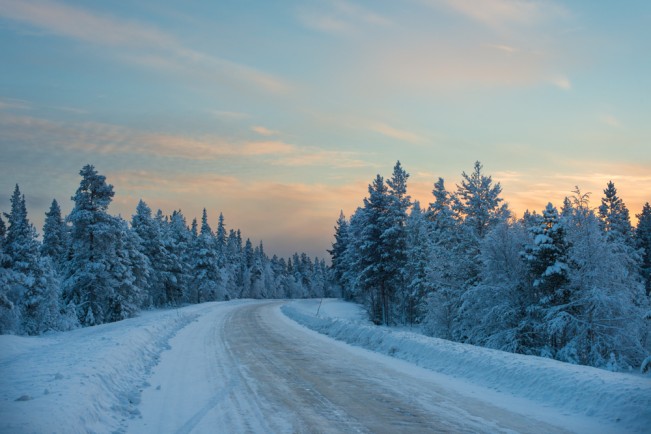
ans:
(86, 380)
(620, 399)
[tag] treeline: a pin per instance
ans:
(92, 267)
(571, 284)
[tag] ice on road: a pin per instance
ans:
(248, 368)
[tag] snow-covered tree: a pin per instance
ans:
(603, 323)
(478, 201)
(206, 282)
(337, 254)
(615, 216)
(98, 279)
(419, 256)
(35, 289)
(643, 242)
(495, 310)
(55, 236)
(548, 264)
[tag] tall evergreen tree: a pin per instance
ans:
(206, 277)
(36, 288)
(98, 279)
(55, 237)
(394, 239)
(615, 216)
(643, 242)
(339, 246)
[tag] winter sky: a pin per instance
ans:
(279, 113)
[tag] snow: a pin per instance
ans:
(151, 374)
(621, 401)
(85, 380)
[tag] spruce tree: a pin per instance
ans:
(36, 287)
(614, 216)
(339, 246)
(643, 242)
(99, 283)
(55, 237)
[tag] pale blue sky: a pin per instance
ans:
(278, 114)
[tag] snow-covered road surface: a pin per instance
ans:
(243, 366)
(250, 369)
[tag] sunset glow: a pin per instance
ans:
(279, 114)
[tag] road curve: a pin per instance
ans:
(256, 371)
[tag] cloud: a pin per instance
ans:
(340, 17)
(561, 82)
(107, 139)
(229, 115)
(14, 104)
(395, 133)
(499, 14)
(610, 120)
(137, 42)
(263, 131)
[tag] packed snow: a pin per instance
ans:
(182, 371)
(620, 400)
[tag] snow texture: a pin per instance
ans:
(619, 400)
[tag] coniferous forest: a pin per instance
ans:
(92, 267)
(570, 283)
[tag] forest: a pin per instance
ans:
(571, 284)
(91, 267)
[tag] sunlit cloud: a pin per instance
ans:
(144, 44)
(339, 17)
(229, 115)
(395, 133)
(500, 13)
(14, 104)
(561, 82)
(263, 131)
(610, 120)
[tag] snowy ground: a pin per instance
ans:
(621, 401)
(243, 366)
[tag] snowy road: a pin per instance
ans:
(248, 368)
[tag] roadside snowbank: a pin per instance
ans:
(619, 399)
(86, 380)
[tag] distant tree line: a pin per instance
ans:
(572, 285)
(92, 267)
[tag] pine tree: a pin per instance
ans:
(99, 282)
(643, 242)
(547, 261)
(374, 270)
(55, 237)
(417, 269)
(615, 216)
(448, 268)
(394, 239)
(478, 201)
(338, 250)
(206, 276)
(36, 287)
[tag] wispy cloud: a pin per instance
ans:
(610, 120)
(340, 17)
(263, 131)
(395, 133)
(561, 82)
(14, 104)
(500, 13)
(144, 44)
(229, 115)
(107, 139)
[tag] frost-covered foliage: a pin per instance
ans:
(568, 285)
(93, 267)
